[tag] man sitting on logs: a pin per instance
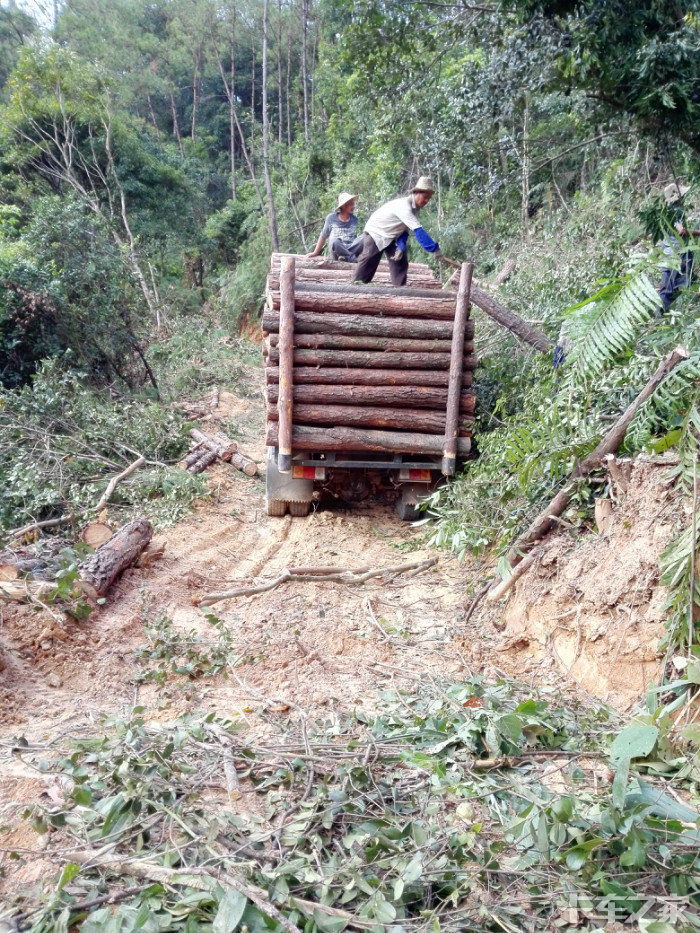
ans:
(386, 233)
(339, 229)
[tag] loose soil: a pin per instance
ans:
(587, 617)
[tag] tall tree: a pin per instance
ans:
(266, 132)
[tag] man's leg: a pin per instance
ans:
(368, 260)
(338, 250)
(398, 268)
(668, 286)
(356, 246)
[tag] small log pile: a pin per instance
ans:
(366, 367)
(207, 449)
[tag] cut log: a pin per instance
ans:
(333, 342)
(515, 324)
(404, 419)
(357, 396)
(96, 533)
(315, 322)
(339, 375)
(8, 572)
(355, 439)
(452, 423)
(219, 444)
(323, 262)
(285, 358)
(371, 299)
(102, 568)
(508, 269)
(244, 464)
(18, 590)
(369, 359)
(333, 276)
(205, 459)
(193, 456)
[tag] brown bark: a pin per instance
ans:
(220, 444)
(244, 464)
(404, 419)
(266, 131)
(370, 299)
(608, 445)
(102, 568)
(396, 344)
(454, 388)
(355, 439)
(345, 277)
(176, 125)
(205, 459)
(368, 359)
(323, 262)
(337, 375)
(357, 396)
(285, 356)
(315, 322)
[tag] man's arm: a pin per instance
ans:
(427, 242)
(319, 247)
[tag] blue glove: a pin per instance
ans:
(427, 242)
(401, 244)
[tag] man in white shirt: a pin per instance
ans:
(386, 233)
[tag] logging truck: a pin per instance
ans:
(368, 387)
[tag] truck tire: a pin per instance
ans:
(407, 511)
(277, 508)
(299, 509)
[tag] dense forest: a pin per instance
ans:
(152, 157)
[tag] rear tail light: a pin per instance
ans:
(308, 472)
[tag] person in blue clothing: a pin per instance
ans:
(386, 234)
(340, 230)
(679, 271)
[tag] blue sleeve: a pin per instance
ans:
(428, 244)
(402, 241)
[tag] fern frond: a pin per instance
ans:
(607, 325)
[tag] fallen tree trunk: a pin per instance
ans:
(319, 322)
(219, 444)
(508, 319)
(357, 396)
(355, 439)
(406, 419)
(339, 375)
(205, 459)
(102, 568)
(608, 445)
(244, 464)
(369, 359)
(395, 344)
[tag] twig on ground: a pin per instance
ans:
(350, 577)
(112, 485)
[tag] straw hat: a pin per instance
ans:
(343, 198)
(674, 192)
(424, 183)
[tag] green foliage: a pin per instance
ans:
(62, 440)
(407, 816)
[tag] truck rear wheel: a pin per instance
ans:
(277, 508)
(407, 511)
(299, 509)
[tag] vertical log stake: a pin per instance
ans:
(454, 386)
(286, 365)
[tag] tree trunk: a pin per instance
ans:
(331, 342)
(279, 81)
(454, 398)
(195, 91)
(339, 376)
(102, 568)
(231, 99)
(288, 82)
(176, 125)
(359, 325)
(406, 419)
(304, 75)
(252, 93)
(266, 132)
(525, 186)
(366, 359)
(355, 439)
(357, 396)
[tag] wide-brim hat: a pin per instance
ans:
(343, 198)
(674, 192)
(424, 183)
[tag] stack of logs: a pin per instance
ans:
(217, 447)
(370, 366)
